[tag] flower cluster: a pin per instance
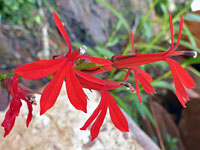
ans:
(64, 69)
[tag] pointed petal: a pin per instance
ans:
(132, 42)
(94, 115)
(127, 75)
(145, 83)
(90, 82)
(100, 61)
(75, 92)
(30, 109)
(137, 88)
(183, 75)
(143, 73)
(136, 60)
(62, 30)
(179, 33)
(39, 69)
(11, 115)
(52, 91)
(171, 30)
(180, 90)
(98, 70)
(116, 114)
(99, 121)
(14, 85)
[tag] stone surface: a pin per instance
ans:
(59, 129)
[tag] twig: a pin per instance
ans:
(156, 123)
(45, 40)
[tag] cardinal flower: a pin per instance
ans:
(18, 95)
(141, 76)
(180, 76)
(64, 69)
(106, 102)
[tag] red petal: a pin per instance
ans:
(90, 82)
(94, 115)
(52, 91)
(137, 88)
(180, 90)
(30, 109)
(99, 121)
(116, 114)
(145, 84)
(136, 60)
(39, 69)
(171, 30)
(179, 33)
(127, 75)
(143, 73)
(132, 42)
(75, 92)
(11, 115)
(97, 70)
(183, 75)
(100, 61)
(62, 30)
(14, 85)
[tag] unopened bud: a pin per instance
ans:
(193, 53)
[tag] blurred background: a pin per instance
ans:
(28, 33)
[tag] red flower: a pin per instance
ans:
(63, 68)
(107, 101)
(141, 76)
(117, 117)
(180, 76)
(17, 95)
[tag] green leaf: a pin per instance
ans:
(189, 45)
(116, 13)
(192, 17)
(37, 19)
(112, 42)
(189, 34)
(104, 51)
(163, 84)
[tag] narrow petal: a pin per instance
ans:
(127, 75)
(14, 85)
(132, 42)
(98, 70)
(180, 90)
(183, 75)
(171, 30)
(62, 30)
(75, 92)
(52, 91)
(30, 109)
(11, 115)
(146, 75)
(137, 88)
(100, 61)
(90, 82)
(179, 33)
(116, 114)
(39, 69)
(94, 115)
(145, 83)
(99, 121)
(136, 60)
